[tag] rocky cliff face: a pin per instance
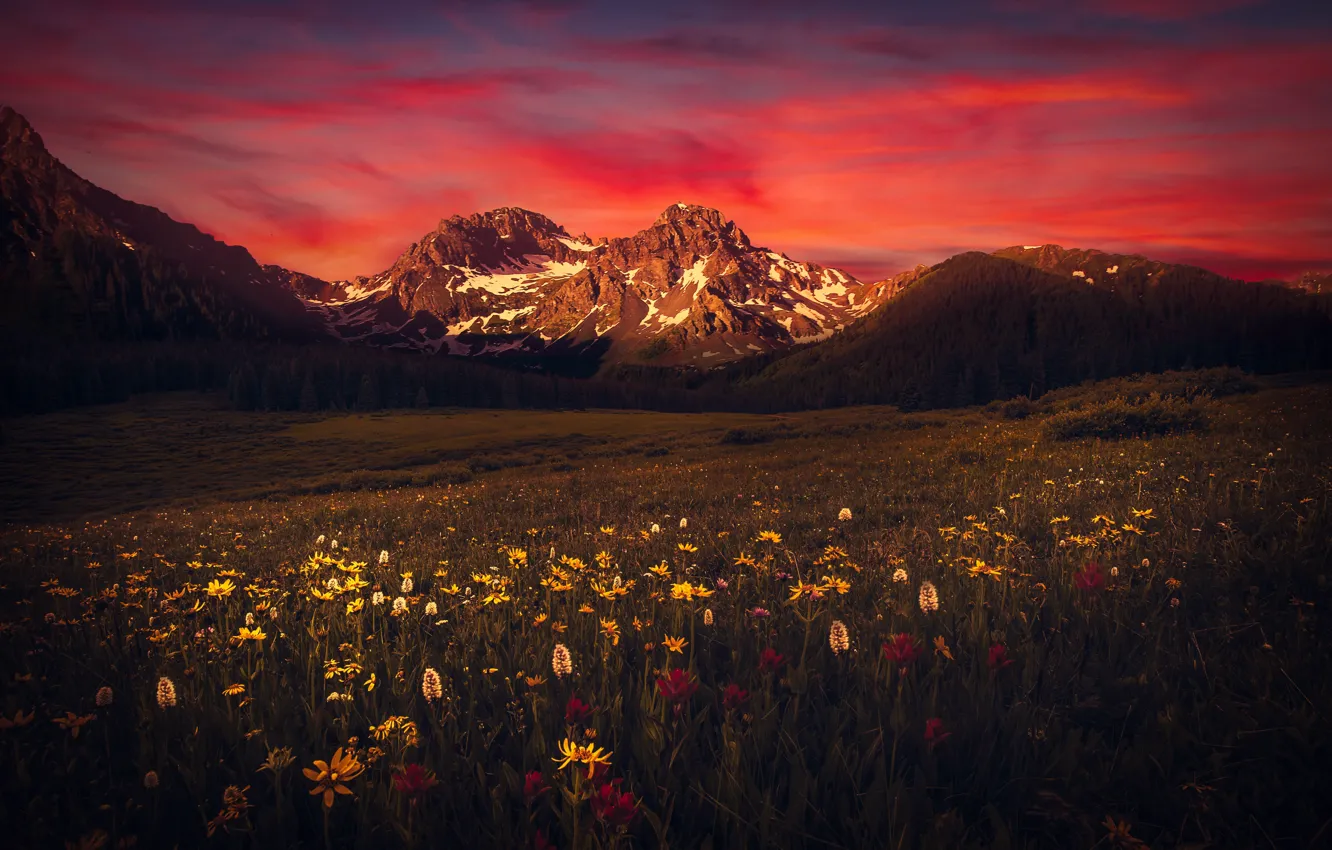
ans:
(691, 289)
(79, 261)
(1087, 264)
(1318, 283)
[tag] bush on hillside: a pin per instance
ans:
(753, 436)
(1121, 417)
(1188, 385)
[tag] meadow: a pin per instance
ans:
(969, 629)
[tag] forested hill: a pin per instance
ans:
(979, 327)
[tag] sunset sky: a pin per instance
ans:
(329, 136)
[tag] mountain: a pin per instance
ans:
(77, 261)
(1087, 264)
(1318, 283)
(80, 263)
(979, 327)
(689, 290)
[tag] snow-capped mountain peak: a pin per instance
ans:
(691, 289)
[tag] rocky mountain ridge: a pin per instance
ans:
(691, 289)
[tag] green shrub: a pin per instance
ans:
(654, 350)
(752, 436)
(373, 479)
(1015, 408)
(1122, 417)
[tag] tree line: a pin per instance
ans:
(975, 329)
(278, 377)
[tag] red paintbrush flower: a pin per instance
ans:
(999, 657)
(734, 696)
(1089, 578)
(770, 660)
(414, 780)
(613, 807)
(678, 687)
(577, 712)
(934, 732)
(541, 842)
(902, 650)
(534, 785)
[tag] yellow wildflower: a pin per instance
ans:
(72, 723)
(813, 591)
(248, 634)
(941, 648)
(221, 589)
(588, 754)
(329, 777)
(20, 719)
(842, 586)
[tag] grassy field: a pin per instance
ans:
(174, 449)
(844, 629)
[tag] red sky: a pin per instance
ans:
(328, 137)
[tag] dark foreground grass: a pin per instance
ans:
(1175, 694)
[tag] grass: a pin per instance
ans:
(1174, 695)
(178, 448)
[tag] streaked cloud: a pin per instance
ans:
(328, 139)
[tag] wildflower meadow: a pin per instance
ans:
(960, 632)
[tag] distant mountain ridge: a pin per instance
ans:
(691, 289)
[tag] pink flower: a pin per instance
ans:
(902, 651)
(999, 657)
(734, 696)
(677, 687)
(770, 660)
(534, 785)
(1089, 578)
(577, 711)
(413, 780)
(613, 807)
(934, 732)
